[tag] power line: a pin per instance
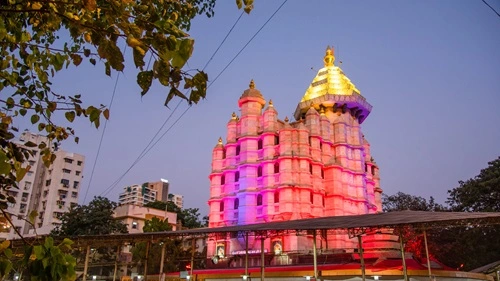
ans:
(493, 9)
(185, 111)
(147, 148)
(103, 132)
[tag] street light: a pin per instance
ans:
(245, 277)
(376, 277)
(307, 278)
(188, 277)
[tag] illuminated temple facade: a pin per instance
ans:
(272, 169)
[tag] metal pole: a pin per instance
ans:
(116, 262)
(361, 258)
(86, 265)
(315, 257)
(262, 258)
(192, 257)
(246, 254)
(427, 255)
(401, 244)
(162, 260)
(146, 261)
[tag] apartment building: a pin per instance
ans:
(49, 191)
(145, 193)
(177, 199)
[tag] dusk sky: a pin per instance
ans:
(431, 70)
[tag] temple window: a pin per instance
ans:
(373, 170)
(236, 176)
(238, 150)
(259, 200)
(311, 197)
(224, 154)
(259, 144)
(323, 201)
(222, 180)
(276, 197)
(276, 168)
(276, 140)
(310, 168)
(259, 171)
(366, 168)
(236, 203)
(322, 174)
(221, 207)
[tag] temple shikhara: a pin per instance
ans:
(271, 169)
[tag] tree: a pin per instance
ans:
(402, 201)
(40, 38)
(156, 225)
(478, 194)
(96, 218)
(471, 247)
(189, 218)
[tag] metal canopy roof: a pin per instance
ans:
(368, 221)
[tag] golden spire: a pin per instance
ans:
(329, 57)
(252, 84)
(286, 119)
(220, 140)
(270, 102)
(233, 116)
(322, 110)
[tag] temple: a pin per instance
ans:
(319, 165)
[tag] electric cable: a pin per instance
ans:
(146, 150)
(493, 9)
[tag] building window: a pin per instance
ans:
(74, 194)
(276, 140)
(310, 168)
(320, 145)
(238, 150)
(31, 162)
(65, 182)
(236, 176)
(47, 182)
(66, 171)
(259, 200)
(366, 168)
(221, 207)
(373, 170)
(76, 184)
(311, 197)
(224, 153)
(67, 160)
(134, 225)
(79, 163)
(27, 185)
(259, 144)
(276, 168)
(259, 171)
(323, 201)
(222, 180)
(276, 197)
(30, 173)
(236, 203)
(322, 174)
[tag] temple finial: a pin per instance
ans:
(220, 140)
(252, 84)
(270, 102)
(329, 57)
(233, 116)
(286, 119)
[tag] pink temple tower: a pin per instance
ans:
(277, 170)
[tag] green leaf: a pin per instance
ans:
(239, 3)
(34, 118)
(70, 116)
(77, 59)
(39, 252)
(5, 167)
(144, 80)
(20, 173)
(30, 144)
(23, 111)
(32, 216)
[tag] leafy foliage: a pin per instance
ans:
(402, 201)
(51, 262)
(5, 258)
(189, 218)
(459, 247)
(156, 225)
(479, 194)
(96, 218)
(38, 39)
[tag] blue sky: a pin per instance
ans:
(431, 70)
